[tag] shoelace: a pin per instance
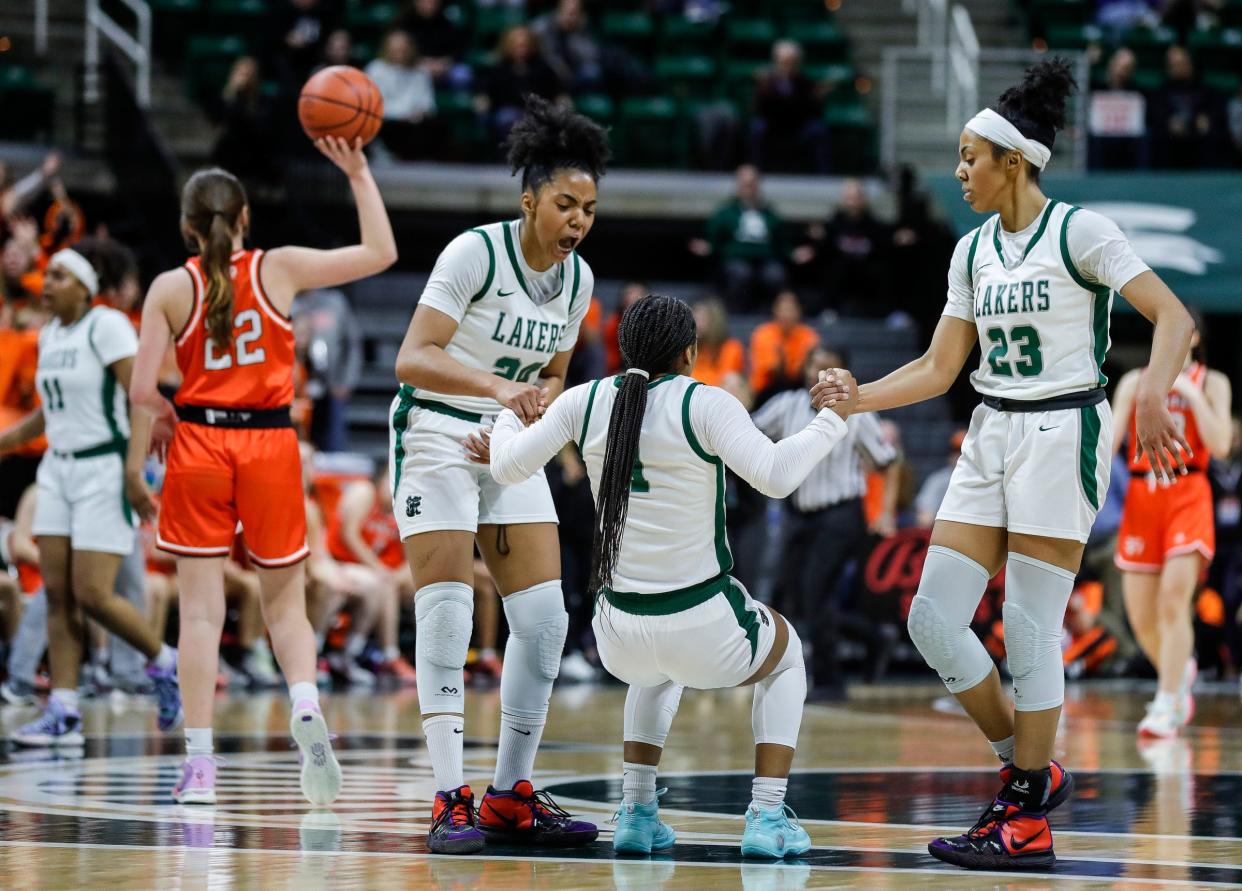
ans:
(793, 818)
(616, 815)
(543, 806)
(457, 806)
(987, 820)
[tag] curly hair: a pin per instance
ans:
(551, 137)
(1037, 106)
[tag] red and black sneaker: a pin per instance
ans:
(1005, 837)
(526, 817)
(1062, 785)
(454, 824)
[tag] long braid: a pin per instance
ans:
(654, 332)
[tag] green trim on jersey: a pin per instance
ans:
(586, 416)
(668, 603)
(747, 620)
(491, 266)
(108, 394)
(1088, 444)
(970, 259)
(662, 379)
(517, 268)
(1043, 224)
(573, 296)
(441, 409)
(1099, 305)
(400, 421)
(723, 555)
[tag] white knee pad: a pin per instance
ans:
(649, 713)
(1036, 595)
(939, 622)
(445, 615)
(537, 627)
(776, 715)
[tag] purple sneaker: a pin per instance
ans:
(198, 781)
(167, 694)
(523, 816)
(321, 774)
(57, 726)
(454, 824)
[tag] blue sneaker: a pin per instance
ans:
(774, 833)
(167, 694)
(57, 726)
(640, 830)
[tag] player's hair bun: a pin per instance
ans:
(1037, 106)
(550, 136)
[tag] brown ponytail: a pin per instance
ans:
(211, 207)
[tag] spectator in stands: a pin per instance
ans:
(1118, 16)
(410, 129)
(330, 343)
(1183, 117)
(854, 247)
(440, 39)
(631, 293)
(1185, 16)
(590, 360)
(779, 348)
(22, 281)
(297, 31)
(1118, 118)
(933, 490)
(568, 46)
(16, 196)
(748, 240)
(890, 490)
(788, 132)
(722, 359)
(245, 120)
(338, 49)
(519, 71)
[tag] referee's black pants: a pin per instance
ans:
(818, 546)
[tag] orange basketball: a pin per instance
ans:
(341, 101)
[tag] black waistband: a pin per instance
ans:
(1055, 403)
(815, 511)
(1143, 474)
(251, 418)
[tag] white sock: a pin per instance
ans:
(259, 647)
(638, 783)
(445, 735)
(1166, 700)
(355, 645)
(392, 654)
(198, 741)
(515, 756)
(1003, 749)
(166, 658)
(768, 792)
(303, 690)
(487, 653)
(68, 699)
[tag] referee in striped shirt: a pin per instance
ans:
(824, 522)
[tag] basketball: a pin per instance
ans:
(341, 101)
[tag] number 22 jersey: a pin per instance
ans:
(511, 320)
(1041, 300)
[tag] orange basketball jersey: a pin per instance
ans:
(379, 531)
(1184, 417)
(256, 370)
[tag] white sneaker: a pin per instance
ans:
(321, 774)
(1185, 698)
(259, 666)
(350, 671)
(1161, 721)
(575, 667)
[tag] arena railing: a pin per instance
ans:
(136, 48)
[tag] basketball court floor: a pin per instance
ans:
(876, 777)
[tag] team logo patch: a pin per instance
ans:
(413, 505)
(1133, 545)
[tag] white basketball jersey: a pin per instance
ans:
(83, 403)
(503, 330)
(675, 528)
(1043, 328)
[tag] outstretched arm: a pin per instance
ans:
(519, 452)
(928, 376)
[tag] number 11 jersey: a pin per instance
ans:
(511, 320)
(1041, 300)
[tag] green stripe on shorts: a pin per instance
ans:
(747, 620)
(1088, 445)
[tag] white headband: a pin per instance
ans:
(81, 268)
(994, 128)
(639, 371)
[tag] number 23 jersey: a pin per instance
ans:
(1041, 300)
(511, 320)
(256, 370)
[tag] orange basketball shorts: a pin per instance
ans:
(220, 477)
(1159, 523)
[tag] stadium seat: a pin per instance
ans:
(739, 80)
(686, 77)
(208, 59)
(852, 138)
(681, 35)
(1217, 51)
(840, 76)
(821, 41)
(596, 106)
(750, 38)
(1231, 13)
(491, 21)
(466, 133)
(1048, 13)
(174, 22)
(1072, 37)
(651, 132)
(237, 16)
(632, 31)
(28, 104)
(1149, 44)
(369, 21)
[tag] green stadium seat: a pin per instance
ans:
(28, 104)
(1072, 37)
(465, 132)
(680, 35)
(1226, 82)
(686, 77)
(208, 60)
(821, 41)
(852, 138)
(1217, 50)
(1048, 13)
(797, 10)
(838, 74)
(369, 21)
(1149, 44)
(750, 38)
(739, 79)
(492, 21)
(596, 106)
(173, 23)
(1149, 79)
(237, 16)
(634, 31)
(651, 132)
(1231, 13)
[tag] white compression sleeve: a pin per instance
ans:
(519, 452)
(724, 428)
(1036, 595)
(939, 622)
(776, 715)
(649, 713)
